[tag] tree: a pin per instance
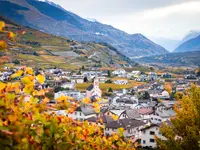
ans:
(132, 92)
(109, 81)
(184, 133)
(110, 90)
(83, 67)
(197, 72)
(85, 79)
(144, 95)
(109, 74)
(16, 62)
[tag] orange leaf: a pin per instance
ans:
(3, 45)
(11, 35)
(23, 32)
(2, 86)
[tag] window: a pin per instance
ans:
(80, 113)
(152, 132)
(152, 140)
(144, 132)
(75, 113)
(129, 131)
(144, 142)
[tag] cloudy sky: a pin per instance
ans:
(170, 19)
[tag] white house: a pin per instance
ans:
(131, 128)
(162, 95)
(77, 78)
(152, 76)
(148, 135)
(80, 114)
(75, 94)
(119, 72)
(69, 85)
(165, 110)
(121, 82)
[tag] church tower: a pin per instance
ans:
(96, 84)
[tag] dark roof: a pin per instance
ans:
(132, 114)
(149, 126)
(157, 125)
(124, 123)
(90, 87)
(105, 119)
(86, 110)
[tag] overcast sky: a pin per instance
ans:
(154, 18)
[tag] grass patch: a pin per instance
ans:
(106, 86)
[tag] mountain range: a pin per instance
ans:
(42, 50)
(173, 59)
(190, 42)
(53, 19)
(190, 45)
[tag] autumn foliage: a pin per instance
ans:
(27, 124)
(184, 132)
(27, 121)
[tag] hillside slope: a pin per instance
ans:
(174, 59)
(192, 34)
(190, 45)
(58, 21)
(39, 49)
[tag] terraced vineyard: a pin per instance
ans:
(42, 50)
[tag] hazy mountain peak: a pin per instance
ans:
(54, 19)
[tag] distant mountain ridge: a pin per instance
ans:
(173, 59)
(169, 44)
(190, 45)
(61, 22)
(192, 34)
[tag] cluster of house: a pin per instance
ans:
(140, 110)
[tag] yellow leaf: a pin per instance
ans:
(17, 74)
(39, 93)
(116, 137)
(62, 97)
(115, 117)
(2, 25)
(29, 71)
(27, 80)
(120, 131)
(2, 86)
(86, 100)
(40, 78)
(29, 88)
(95, 105)
(97, 110)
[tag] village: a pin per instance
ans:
(141, 101)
